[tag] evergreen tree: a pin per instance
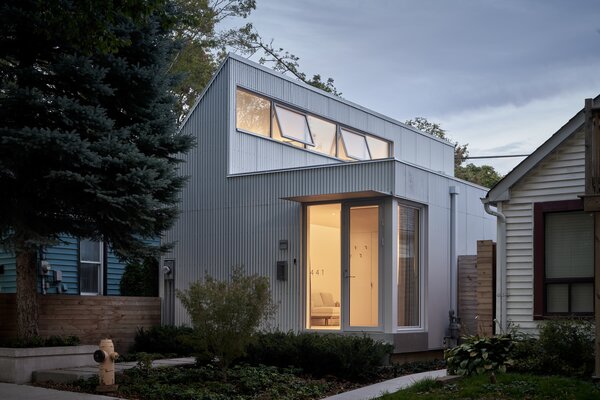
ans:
(88, 143)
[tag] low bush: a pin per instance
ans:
(39, 341)
(226, 314)
(140, 279)
(478, 355)
(355, 358)
(564, 347)
(166, 339)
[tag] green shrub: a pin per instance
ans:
(39, 341)
(225, 315)
(140, 279)
(166, 339)
(564, 347)
(355, 358)
(478, 355)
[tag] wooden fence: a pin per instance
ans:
(476, 290)
(91, 318)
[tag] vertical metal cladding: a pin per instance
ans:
(230, 219)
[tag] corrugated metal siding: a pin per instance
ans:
(63, 257)
(8, 279)
(259, 154)
(559, 177)
(239, 219)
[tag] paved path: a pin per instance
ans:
(11, 391)
(391, 386)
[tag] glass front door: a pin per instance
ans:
(342, 266)
(363, 266)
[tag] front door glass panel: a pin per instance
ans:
(324, 266)
(363, 272)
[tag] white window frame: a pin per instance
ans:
(100, 264)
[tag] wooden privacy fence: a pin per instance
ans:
(477, 289)
(91, 318)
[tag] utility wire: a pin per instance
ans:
(505, 156)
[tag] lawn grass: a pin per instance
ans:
(508, 386)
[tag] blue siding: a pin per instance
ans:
(8, 279)
(114, 271)
(64, 257)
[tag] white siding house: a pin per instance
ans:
(354, 217)
(545, 240)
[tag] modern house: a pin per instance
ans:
(545, 250)
(356, 218)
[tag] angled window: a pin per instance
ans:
(91, 263)
(293, 125)
(323, 133)
(278, 136)
(355, 145)
(253, 113)
(378, 148)
(564, 259)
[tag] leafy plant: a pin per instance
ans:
(356, 358)
(478, 355)
(140, 279)
(564, 347)
(225, 315)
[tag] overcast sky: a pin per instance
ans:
(502, 76)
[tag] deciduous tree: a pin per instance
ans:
(484, 175)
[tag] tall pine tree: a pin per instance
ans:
(88, 142)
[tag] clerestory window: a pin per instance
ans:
(261, 116)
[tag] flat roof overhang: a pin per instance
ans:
(326, 197)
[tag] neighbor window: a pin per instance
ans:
(90, 267)
(259, 115)
(564, 259)
(408, 267)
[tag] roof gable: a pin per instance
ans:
(500, 191)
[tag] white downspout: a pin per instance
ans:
(501, 312)
(454, 191)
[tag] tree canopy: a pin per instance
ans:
(88, 142)
(204, 45)
(484, 175)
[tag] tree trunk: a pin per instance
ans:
(27, 305)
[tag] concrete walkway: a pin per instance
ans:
(11, 391)
(391, 386)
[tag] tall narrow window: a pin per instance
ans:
(408, 267)
(324, 266)
(90, 267)
(253, 113)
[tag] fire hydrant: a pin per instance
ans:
(106, 357)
